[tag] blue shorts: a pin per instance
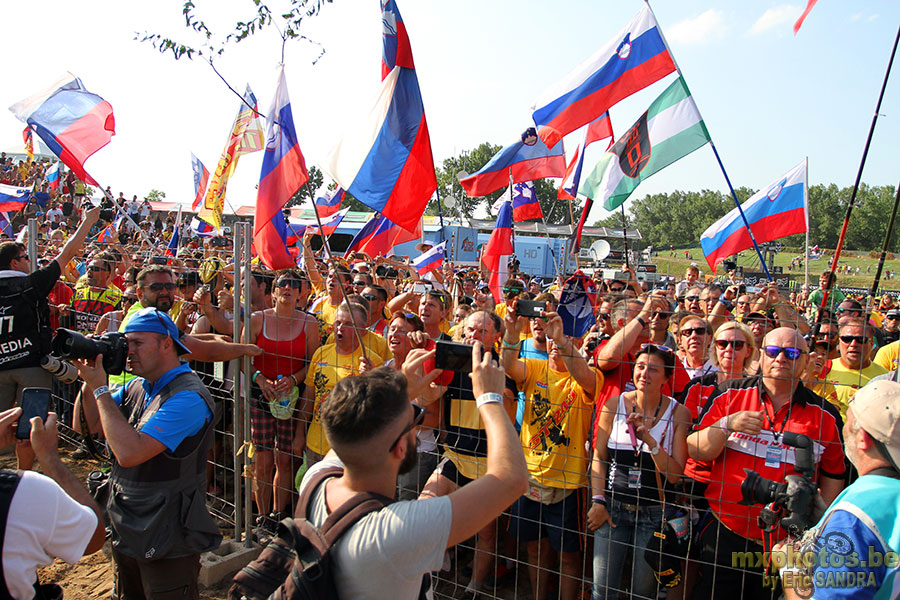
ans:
(530, 520)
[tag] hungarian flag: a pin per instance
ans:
(670, 129)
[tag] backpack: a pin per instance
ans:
(296, 564)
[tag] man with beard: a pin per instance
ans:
(863, 518)
(159, 430)
(95, 294)
(371, 425)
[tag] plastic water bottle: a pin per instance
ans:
(282, 406)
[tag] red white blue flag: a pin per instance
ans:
(5, 225)
(201, 228)
(598, 129)
(330, 203)
(172, 248)
(51, 176)
(385, 162)
(497, 250)
(776, 211)
(201, 178)
(520, 162)
(525, 204)
(109, 232)
(431, 260)
(13, 198)
(283, 172)
(73, 122)
(635, 58)
(379, 235)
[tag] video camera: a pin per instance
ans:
(790, 502)
(112, 345)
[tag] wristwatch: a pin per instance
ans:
(655, 450)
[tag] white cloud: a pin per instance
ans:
(776, 17)
(706, 27)
(873, 17)
(857, 16)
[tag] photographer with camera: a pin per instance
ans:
(159, 430)
(25, 319)
(743, 430)
(861, 526)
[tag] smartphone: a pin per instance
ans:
(421, 287)
(742, 289)
(158, 260)
(35, 403)
(530, 308)
(453, 356)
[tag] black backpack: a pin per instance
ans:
(296, 564)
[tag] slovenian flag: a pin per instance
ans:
(52, 176)
(519, 161)
(73, 122)
(330, 224)
(172, 248)
(379, 235)
(776, 211)
(13, 198)
(201, 178)
(5, 225)
(330, 203)
(598, 129)
(497, 250)
(283, 173)
(669, 130)
(525, 204)
(431, 260)
(385, 162)
(201, 228)
(635, 58)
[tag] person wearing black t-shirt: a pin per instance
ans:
(25, 319)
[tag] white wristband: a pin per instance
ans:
(488, 398)
(103, 389)
(723, 425)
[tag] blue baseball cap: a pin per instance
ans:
(153, 320)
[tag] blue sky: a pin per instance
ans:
(769, 98)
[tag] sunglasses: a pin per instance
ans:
(859, 339)
(658, 314)
(790, 353)
(691, 298)
(603, 316)
(95, 268)
(418, 417)
(359, 284)
(841, 311)
(723, 344)
(370, 297)
(158, 287)
(294, 284)
(22, 257)
(892, 318)
(689, 331)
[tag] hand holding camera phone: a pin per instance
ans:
(453, 356)
(35, 403)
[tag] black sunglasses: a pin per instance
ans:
(22, 257)
(603, 316)
(369, 297)
(295, 284)
(158, 286)
(859, 339)
(691, 298)
(723, 344)
(688, 331)
(418, 417)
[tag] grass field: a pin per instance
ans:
(675, 265)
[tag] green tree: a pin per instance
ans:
(315, 182)
(155, 196)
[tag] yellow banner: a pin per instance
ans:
(246, 136)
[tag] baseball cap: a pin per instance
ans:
(892, 313)
(876, 407)
(154, 321)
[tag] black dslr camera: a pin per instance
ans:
(790, 502)
(112, 345)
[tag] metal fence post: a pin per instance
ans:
(237, 408)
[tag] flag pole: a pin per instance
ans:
(178, 231)
(884, 249)
(862, 164)
(716, 153)
(340, 279)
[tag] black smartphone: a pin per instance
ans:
(35, 403)
(742, 289)
(158, 260)
(530, 308)
(453, 356)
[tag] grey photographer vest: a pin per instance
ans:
(157, 509)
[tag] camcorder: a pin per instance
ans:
(111, 345)
(790, 502)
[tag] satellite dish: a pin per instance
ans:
(450, 202)
(599, 250)
(462, 174)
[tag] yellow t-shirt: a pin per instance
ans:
(847, 381)
(888, 356)
(325, 370)
(556, 425)
(374, 343)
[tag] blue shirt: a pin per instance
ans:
(182, 415)
(527, 350)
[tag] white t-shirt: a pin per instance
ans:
(386, 553)
(54, 214)
(62, 528)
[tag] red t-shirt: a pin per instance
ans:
(807, 413)
(60, 294)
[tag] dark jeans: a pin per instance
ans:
(718, 572)
(163, 579)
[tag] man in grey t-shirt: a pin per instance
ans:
(371, 426)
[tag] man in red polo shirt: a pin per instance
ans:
(742, 428)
